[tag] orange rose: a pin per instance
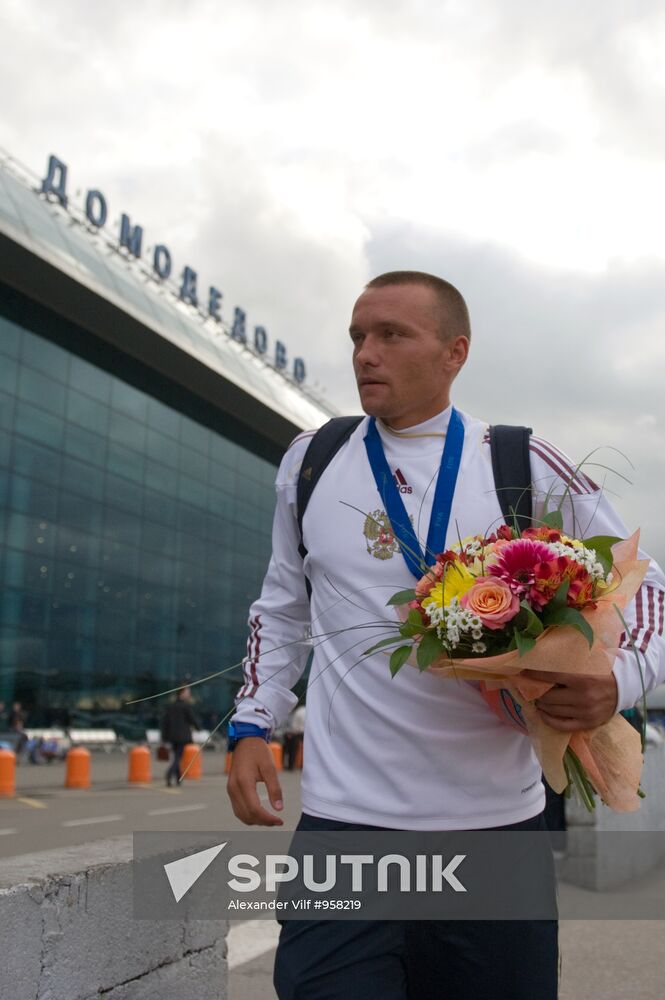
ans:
(432, 576)
(492, 600)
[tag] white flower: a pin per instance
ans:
(579, 554)
(479, 647)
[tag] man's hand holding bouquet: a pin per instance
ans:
(507, 610)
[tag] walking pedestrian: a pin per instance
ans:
(177, 725)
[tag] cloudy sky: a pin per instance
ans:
(290, 151)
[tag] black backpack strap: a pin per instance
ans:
(320, 452)
(511, 465)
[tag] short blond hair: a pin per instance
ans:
(454, 313)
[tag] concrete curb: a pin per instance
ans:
(69, 934)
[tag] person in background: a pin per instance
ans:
(17, 725)
(177, 725)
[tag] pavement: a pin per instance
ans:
(608, 959)
(45, 814)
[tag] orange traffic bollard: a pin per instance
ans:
(191, 756)
(7, 774)
(277, 754)
(77, 774)
(140, 764)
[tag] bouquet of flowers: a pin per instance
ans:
(491, 607)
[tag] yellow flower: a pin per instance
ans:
(456, 581)
(464, 544)
(604, 587)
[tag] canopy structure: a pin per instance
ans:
(53, 256)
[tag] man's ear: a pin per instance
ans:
(458, 352)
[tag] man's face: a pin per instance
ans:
(403, 366)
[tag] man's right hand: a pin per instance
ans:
(253, 763)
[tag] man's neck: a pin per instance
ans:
(410, 421)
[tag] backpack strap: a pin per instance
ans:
(320, 452)
(511, 465)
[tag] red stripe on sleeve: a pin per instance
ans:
(574, 475)
(651, 607)
(561, 470)
(249, 666)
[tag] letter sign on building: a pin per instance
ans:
(215, 304)
(55, 181)
(54, 188)
(161, 261)
(95, 208)
(130, 236)
(260, 339)
(188, 287)
(238, 331)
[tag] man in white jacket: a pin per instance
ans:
(413, 752)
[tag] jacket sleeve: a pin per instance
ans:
(278, 644)
(587, 512)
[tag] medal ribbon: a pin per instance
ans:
(443, 495)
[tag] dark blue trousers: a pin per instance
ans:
(416, 960)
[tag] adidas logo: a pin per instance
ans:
(401, 483)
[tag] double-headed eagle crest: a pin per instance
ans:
(379, 536)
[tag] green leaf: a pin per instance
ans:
(569, 616)
(553, 519)
(399, 658)
(428, 649)
(530, 623)
(380, 645)
(402, 597)
(523, 642)
(560, 599)
(602, 544)
(413, 625)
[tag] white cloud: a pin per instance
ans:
(290, 151)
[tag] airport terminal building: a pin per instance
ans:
(139, 438)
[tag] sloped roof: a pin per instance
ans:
(63, 240)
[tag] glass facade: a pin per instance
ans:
(134, 537)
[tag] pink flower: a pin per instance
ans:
(492, 600)
(515, 563)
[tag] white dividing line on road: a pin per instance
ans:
(7, 830)
(250, 939)
(92, 819)
(178, 809)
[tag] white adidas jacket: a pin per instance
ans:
(414, 752)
